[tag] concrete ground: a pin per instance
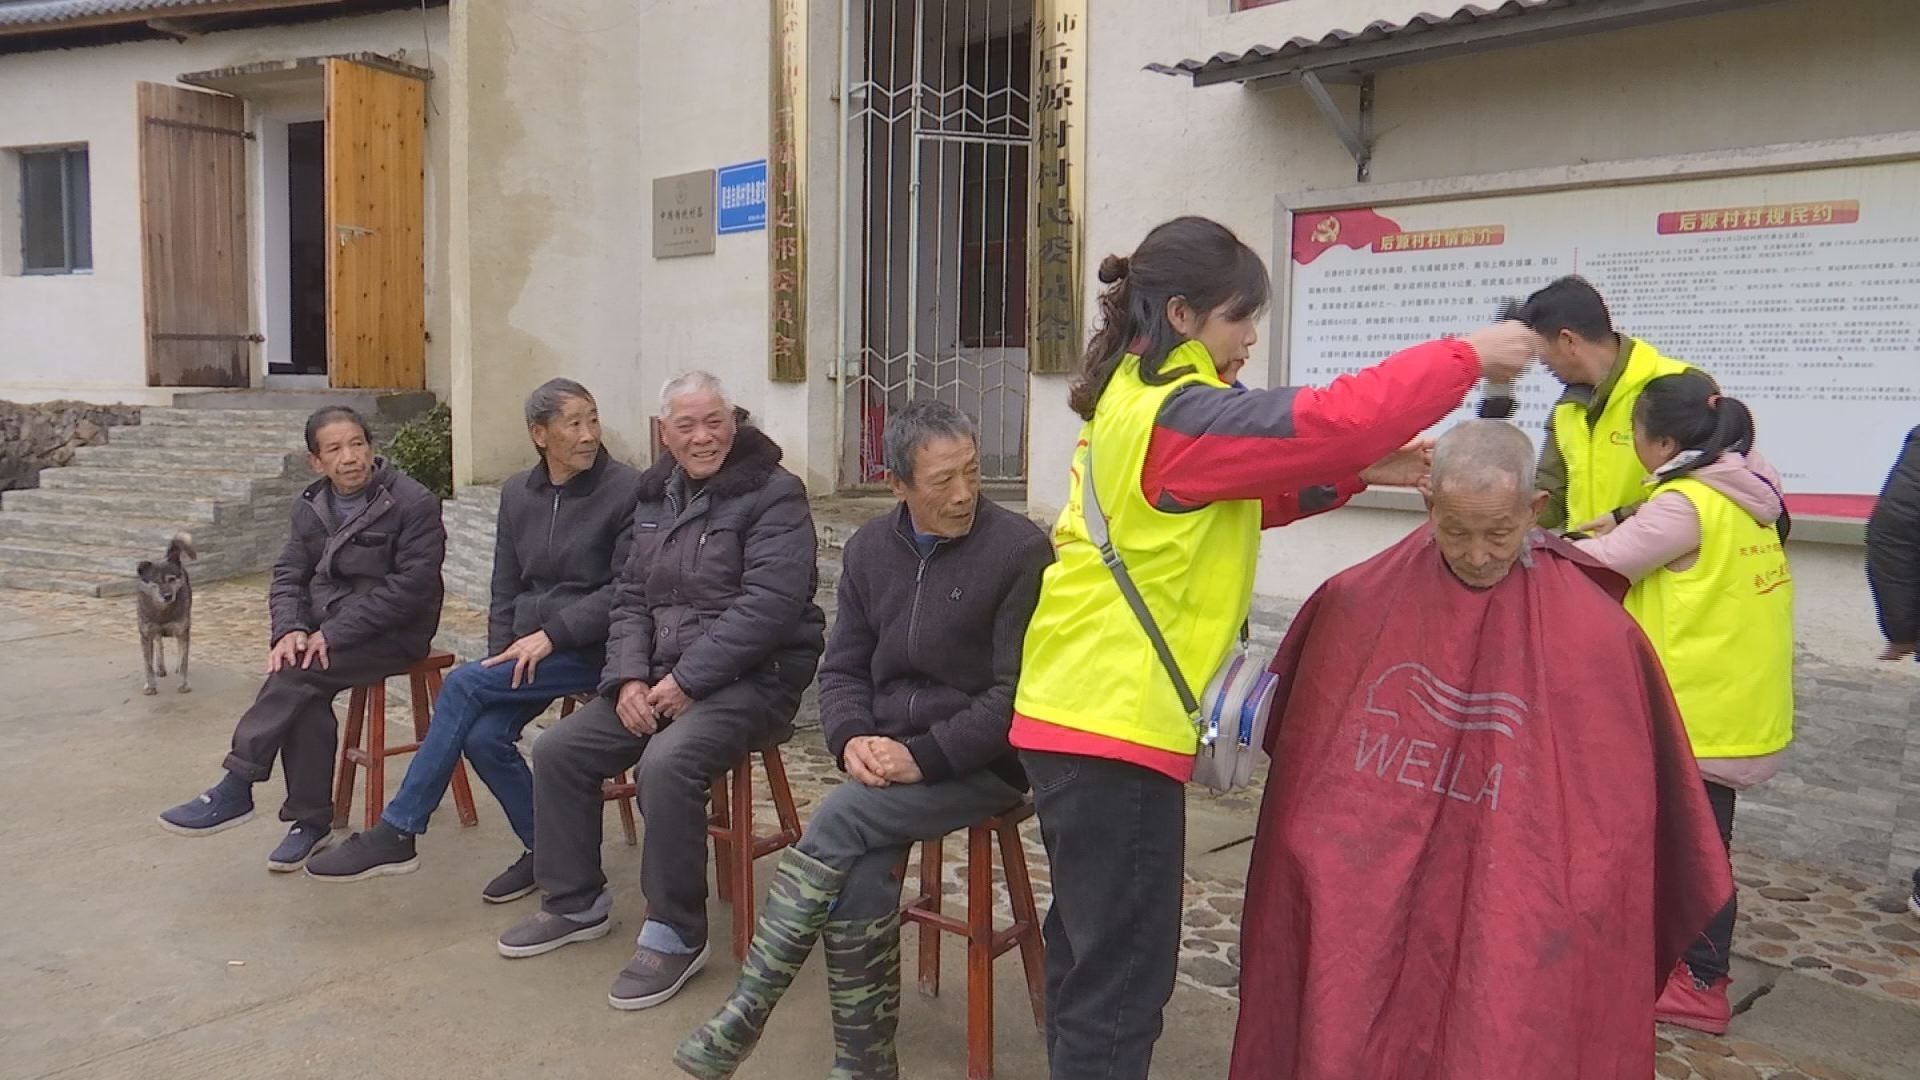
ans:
(137, 953)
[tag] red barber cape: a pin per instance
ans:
(1484, 843)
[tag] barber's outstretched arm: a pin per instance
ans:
(1212, 444)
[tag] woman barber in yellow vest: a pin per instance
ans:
(1712, 590)
(1191, 466)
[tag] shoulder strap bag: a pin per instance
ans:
(1238, 696)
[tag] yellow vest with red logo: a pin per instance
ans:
(1087, 664)
(1603, 472)
(1723, 628)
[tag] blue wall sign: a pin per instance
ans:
(742, 198)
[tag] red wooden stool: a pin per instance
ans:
(618, 790)
(367, 712)
(984, 943)
(735, 843)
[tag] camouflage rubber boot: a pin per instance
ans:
(803, 890)
(863, 988)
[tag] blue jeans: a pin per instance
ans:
(481, 714)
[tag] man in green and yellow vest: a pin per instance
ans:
(1588, 467)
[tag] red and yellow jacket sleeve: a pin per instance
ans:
(1299, 449)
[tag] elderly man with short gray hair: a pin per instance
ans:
(563, 529)
(1483, 830)
(713, 638)
(916, 696)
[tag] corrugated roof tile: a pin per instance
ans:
(1379, 30)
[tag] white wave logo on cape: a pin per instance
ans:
(1458, 709)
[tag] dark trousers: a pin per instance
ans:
(1711, 953)
(1116, 842)
(867, 831)
(292, 718)
(674, 767)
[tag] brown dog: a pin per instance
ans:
(165, 605)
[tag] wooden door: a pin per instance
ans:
(376, 260)
(193, 224)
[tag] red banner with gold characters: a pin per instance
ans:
(1779, 216)
(1438, 239)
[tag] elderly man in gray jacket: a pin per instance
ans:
(713, 637)
(355, 598)
(563, 531)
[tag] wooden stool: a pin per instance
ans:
(736, 845)
(619, 789)
(984, 943)
(367, 712)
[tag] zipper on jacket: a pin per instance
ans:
(552, 522)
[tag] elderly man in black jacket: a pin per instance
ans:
(916, 695)
(563, 530)
(355, 598)
(1893, 567)
(713, 637)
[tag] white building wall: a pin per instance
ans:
(83, 335)
(565, 114)
(1158, 147)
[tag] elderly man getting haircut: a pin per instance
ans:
(1484, 842)
(563, 530)
(713, 637)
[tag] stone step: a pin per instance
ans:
(106, 560)
(144, 534)
(210, 440)
(283, 420)
(154, 459)
(115, 504)
(380, 407)
(74, 584)
(202, 483)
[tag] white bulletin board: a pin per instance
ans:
(1798, 290)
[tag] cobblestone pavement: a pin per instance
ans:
(1853, 932)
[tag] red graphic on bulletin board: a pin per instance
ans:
(1315, 233)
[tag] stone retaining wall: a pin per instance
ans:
(43, 436)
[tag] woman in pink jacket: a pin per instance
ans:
(1711, 588)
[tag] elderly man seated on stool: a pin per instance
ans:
(564, 528)
(714, 636)
(916, 696)
(355, 598)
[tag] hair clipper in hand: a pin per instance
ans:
(1497, 401)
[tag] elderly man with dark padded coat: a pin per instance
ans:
(355, 598)
(713, 637)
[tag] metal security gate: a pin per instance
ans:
(935, 275)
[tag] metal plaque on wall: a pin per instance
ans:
(683, 215)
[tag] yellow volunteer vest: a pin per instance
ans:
(1086, 663)
(1603, 472)
(1724, 630)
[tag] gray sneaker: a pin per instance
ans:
(542, 932)
(650, 978)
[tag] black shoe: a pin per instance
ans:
(301, 842)
(381, 850)
(513, 883)
(1913, 901)
(219, 807)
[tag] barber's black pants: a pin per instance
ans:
(1711, 953)
(1116, 840)
(292, 718)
